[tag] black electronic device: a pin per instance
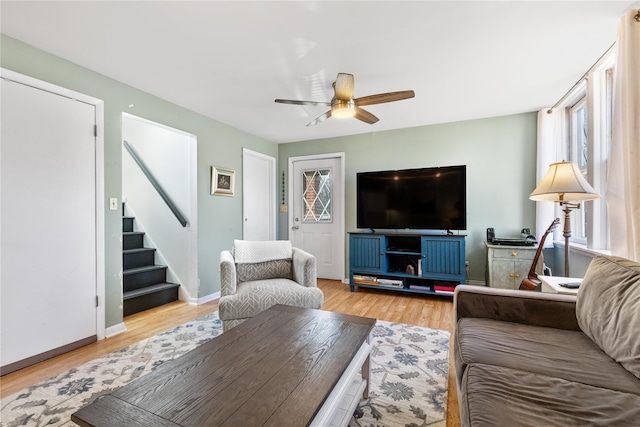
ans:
(418, 199)
(570, 285)
(526, 238)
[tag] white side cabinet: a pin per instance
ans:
(508, 265)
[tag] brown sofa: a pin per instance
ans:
(535, 359)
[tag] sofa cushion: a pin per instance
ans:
(500, 396)
(254, 297)
(608, 309)
(570, 355)
(280, 268)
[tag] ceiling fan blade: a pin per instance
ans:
(385, 97)
(344, 86)
(319, 119)
(294, 102)
(365, 116)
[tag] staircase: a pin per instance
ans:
(144, 283)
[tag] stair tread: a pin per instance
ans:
(143, 269)
(135, 250)
(128, 217)
(148, 290)
(132, 232)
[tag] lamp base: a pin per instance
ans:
(568, 207)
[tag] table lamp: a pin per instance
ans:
(564, 183)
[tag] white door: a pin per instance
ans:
(48, 230)
(317, 211)
(258, 196)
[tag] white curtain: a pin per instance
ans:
(623, 183)
(548, 129)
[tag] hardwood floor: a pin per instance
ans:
(432, 312)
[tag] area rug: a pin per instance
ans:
(409, 377)
(409, 368)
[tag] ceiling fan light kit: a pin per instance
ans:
(343, 105)
(343, 109)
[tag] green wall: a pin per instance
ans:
(219, 218)
(500, 154)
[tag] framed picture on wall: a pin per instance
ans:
(222, 181)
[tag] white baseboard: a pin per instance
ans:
(205, 299)
(115, 330)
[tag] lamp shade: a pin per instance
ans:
(563, 183)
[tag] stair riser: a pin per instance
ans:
(145, 302)
(127, 224)
(138, 259)
(131, 241)
(145, 278)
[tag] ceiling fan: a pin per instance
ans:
(343, 104)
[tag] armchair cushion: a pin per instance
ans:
(256, 296)
(279, 268)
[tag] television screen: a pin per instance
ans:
(422, 199)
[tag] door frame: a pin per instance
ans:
(340, 215)
(99, 180)
(272, 189)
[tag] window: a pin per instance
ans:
(587, 137)
(579, 154)
(316, 197)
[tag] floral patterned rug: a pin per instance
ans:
(409, 371)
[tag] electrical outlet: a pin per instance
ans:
(113, 204)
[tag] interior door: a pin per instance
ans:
(48, 231)
(317, 207)
(258, 196)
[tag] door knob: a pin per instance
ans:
(295, 227)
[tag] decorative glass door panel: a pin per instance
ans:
(316, 196)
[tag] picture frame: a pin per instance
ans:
(222, 181)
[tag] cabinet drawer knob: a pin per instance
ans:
(514, 253)
(517, 275)
(511, 275)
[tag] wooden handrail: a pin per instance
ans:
(172, 206)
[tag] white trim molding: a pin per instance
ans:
(211, 297)
(115, 330)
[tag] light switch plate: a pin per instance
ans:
(113, 204)
(284, 208)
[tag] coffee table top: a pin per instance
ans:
(272, 370)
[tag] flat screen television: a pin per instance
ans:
(419, 199)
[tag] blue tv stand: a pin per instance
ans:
(413, 263)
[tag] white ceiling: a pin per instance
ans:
(230, 60)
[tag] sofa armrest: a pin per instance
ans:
(304, 268)
(526, 307)
(227, 274)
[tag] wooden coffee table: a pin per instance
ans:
(286, 366)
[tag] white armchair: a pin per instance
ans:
(257, 275)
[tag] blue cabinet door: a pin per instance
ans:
(366, 253)
(443, 258)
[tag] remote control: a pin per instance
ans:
(570, 285)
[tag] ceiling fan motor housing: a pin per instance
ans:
(341, 108)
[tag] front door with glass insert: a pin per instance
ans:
(316, 224)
